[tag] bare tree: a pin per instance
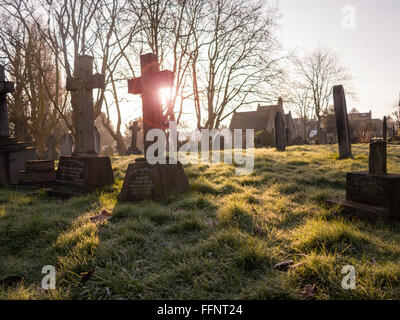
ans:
(238, 64)
(223, 53)
(119, 29)
(319, 71)
(299, 96)
(75, 27)
(38, 102)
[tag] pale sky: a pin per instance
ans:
(371, 51)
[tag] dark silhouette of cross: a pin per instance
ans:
(5, 87)
(148, 85)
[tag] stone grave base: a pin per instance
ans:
(371, 195)
(76, 176)
(360, 210)
(37, 174)
(13, 155)
(154, 182)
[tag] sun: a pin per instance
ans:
(166, 95)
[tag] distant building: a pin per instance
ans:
(263, 122)
(355, 115)
(362, 127)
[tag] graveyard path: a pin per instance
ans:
(220, 241)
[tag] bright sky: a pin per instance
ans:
(371, 51)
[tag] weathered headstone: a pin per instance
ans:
(377, 157)
(373, 194)
(342, 122)
(84, 171)
(67, 142)
(13, 154)
(96, 140)
(51, 152)
(134, 128)
(384, 129)
(280, 132)
(144, 180)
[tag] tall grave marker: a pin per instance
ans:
(280, 132)
(142, 179)
(13, 153)
(342, 122)
(84, 171)
(384, 129)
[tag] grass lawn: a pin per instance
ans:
(220, 241)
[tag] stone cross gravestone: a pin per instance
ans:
(133, 148)
(51, 152)
(280, 132)
(84, 171)
(67, 143)
(13, 153)
(144, 180)
(96, 140)
(82, 85)
(148, 85)
(342, 122)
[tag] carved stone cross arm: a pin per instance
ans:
(151, 82)
(96, 81)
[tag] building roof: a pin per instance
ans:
(261, 119)
(354, 110)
